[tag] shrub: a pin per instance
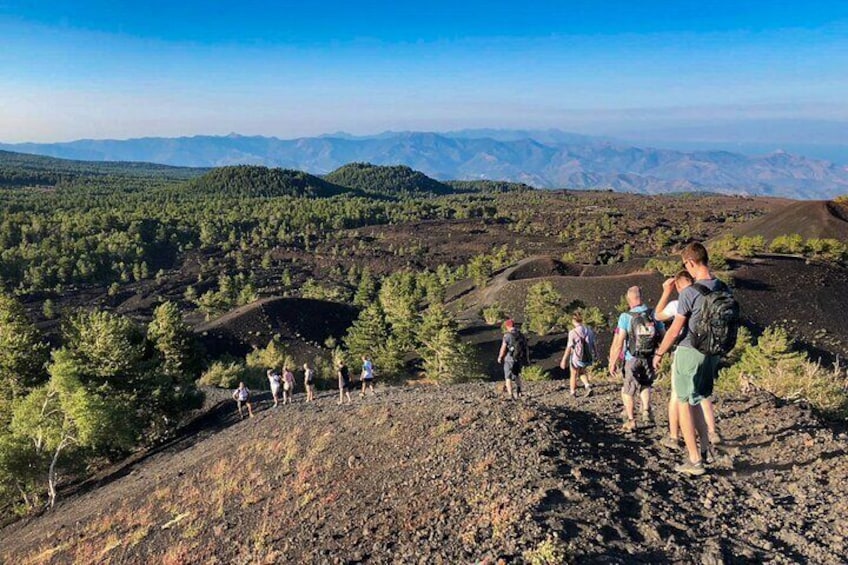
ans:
(787, 244)
(535, 373)
(666, 267)
(775, 366)
(593, 317)
(223, 374)
(493, 315)
(549, 552)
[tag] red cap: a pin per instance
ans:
(509, 324)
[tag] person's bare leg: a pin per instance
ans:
(347, 392)
(584, 378)
(573, 381)
(645, 397)
(701, 426)
(509, 388)
(250, 409)
(673, 419)
(628, 405)
(341, 396)
(687, 427)
(709, 414)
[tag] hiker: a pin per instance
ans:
(275, 380)
(344, 382)
(367, 375)
(288, 385)
(242, 396)
(639, 333)
(514, 354)
(708, 318)
(309, 382)
(579, 354)
(665, 311)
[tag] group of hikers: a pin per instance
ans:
(285, 382)
(698, 328)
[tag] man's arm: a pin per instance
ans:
(669, 339)
(502, 352)
(615, 351)
(668, 287)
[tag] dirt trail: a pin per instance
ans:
(458, 474)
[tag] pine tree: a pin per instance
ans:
(175, 343)
(446, 358)
(399, 298)
(370, 335)
(543, 307)
(366, 291)
(23, 354)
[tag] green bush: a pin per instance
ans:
(493, 315)
(775, 366)
(549, 552)
(535, 373)
(223, 374)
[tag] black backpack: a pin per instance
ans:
(716, 330)
(518, 349)
(644, 334)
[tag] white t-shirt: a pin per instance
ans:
(274, 378)
(670, 310)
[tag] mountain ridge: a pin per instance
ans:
(559, 160)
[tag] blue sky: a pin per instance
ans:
(72, 70)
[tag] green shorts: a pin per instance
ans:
(693, 374)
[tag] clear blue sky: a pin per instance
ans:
(117, 69)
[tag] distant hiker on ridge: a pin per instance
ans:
(309, 382)
(242, 396)
(709, 315)
(638, 333)
(275, 380)
(515, 355)
(288, 385)
(344, 382)
(367, 376)
(579, 354)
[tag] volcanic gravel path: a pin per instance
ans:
(461, 475)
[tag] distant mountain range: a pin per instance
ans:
(545, 159)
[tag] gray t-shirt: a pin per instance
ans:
(690, 304)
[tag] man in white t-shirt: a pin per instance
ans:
(367, 375)
(275, 380)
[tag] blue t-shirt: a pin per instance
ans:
(624, 326)
(367, 370)
(690, 304)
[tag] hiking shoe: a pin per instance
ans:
(629, 426)
(671, 443)
(715, 438)
(707, 457)
(588, 391)
(689, 468)
(646, 417)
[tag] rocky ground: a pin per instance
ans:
(460, 475)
